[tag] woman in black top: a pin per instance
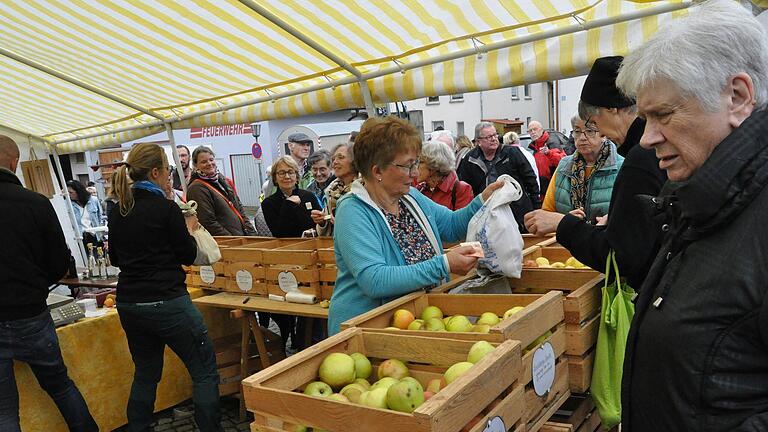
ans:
(149, 240)
(288, 210)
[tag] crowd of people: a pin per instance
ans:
(667, 170)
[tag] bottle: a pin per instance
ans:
(107, 264)
(100, 263)
(91, 261)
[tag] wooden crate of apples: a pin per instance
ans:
(375, 382)
(535, 320)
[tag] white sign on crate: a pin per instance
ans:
(543, 369)
(207, 274)
(244, 280)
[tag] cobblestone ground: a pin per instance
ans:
(181, 418)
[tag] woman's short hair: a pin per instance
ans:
(287, 160)
(511, 138)
(350, 146)
(698, 54)
(438, 156)
(381, 139)
(320, 155)
(198, 151)
(463, 141)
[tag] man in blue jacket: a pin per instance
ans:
(33, 256)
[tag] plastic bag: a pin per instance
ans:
(207, 249)
(615, 318)
(495, 227)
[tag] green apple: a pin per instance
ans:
(405, 396)
(479, 350)
(489, 318)
(434, 324)
(459, 323)
(416, 325)
(363, 382)
(392, 368)
(412, 380)
(539, 340)
(456, 371)
(481, 328)
(318, 388)
(353, 392)
(363, 367)
(339, 397)
(434, 385)
(385, 382)
(376, 398)
(431, 312)
(512, 311)
(337, 370)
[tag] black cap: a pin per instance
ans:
(600, 87)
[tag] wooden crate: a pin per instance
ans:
(207, 277)
(538, 409)
(244, 270)
(542, 241)
(578, 414)
(326, 260)
(271, 394)
(542, 312)
(298, 259)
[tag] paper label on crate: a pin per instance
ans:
(207, 274)
(287, 281)
(495, 424)
(543, 369)
(244, 280)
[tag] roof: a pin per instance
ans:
(85, 74)
(505, 121)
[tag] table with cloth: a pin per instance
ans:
(96, 353)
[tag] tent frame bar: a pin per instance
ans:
(176, 159)
(70, 212)
(50, 71)
(571, 29)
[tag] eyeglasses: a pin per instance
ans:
(289, 173)
(410, 169)
(486, 137)
(338, 157)
(589, 133)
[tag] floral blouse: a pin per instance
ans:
(409, 236)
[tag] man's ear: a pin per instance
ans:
(14, 164)
(740, 98)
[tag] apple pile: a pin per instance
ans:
(395, 389)
(432, 319)
(542, 262)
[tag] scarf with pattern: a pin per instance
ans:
(579, 179)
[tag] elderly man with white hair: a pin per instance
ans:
(697, 351)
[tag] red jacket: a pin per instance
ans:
(443, 193)
(546, 163)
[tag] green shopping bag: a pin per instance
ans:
(615, 317)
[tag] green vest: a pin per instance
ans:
(599, 187)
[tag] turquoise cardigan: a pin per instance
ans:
(599, 188)
(371, 269)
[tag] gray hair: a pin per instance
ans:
(350, 145)
(443, 133)
(576, 118)
(320, 155)
(482, 125)
(587, 110)
(511, 138)
(438, 157)
(701, 52)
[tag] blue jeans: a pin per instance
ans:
(33, 341)
(177, 323)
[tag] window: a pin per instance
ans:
(438, 125)
(432, 100)
(459, 128)
(527, 122)
(527, 91)
(79, 157)
(515, 93)
(459, 97)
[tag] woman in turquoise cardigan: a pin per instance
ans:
(582, 183)
(388, 236)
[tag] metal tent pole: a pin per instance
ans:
(176, 159)
(75, 223)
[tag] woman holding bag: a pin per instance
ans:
(149, 241)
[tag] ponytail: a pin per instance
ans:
(140, 162)
(122, 190)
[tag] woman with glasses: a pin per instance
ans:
(437, 179)
(388, 236)
(346, 172)
(583, 181)
(218, 206)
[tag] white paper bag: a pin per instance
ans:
(495, 227)
(207, 249)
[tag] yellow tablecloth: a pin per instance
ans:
(96, 353)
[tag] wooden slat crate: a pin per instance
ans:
(578, 414)
(299, 259)
(541, 313)
(271, 394)
(326, 259)
(534, 240)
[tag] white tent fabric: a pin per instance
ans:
(86, 74)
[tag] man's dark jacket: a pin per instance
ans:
(33, 253)
(697, 352)
(631, 231)
(508, 160)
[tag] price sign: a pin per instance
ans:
(244, 280)
(543, 369)
(287, 282)
(207, 274)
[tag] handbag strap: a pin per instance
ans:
(229, 203)
(611, 259)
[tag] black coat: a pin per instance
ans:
(286, 219)
(697, 352)
(33, 253)
(508, 160)
(149, 245)
(631, 230)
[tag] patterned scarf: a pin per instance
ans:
(336, 190)
(214, 176)
(579, 180)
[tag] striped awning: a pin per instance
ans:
(86, 74)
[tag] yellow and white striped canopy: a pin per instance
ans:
(86, 74)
